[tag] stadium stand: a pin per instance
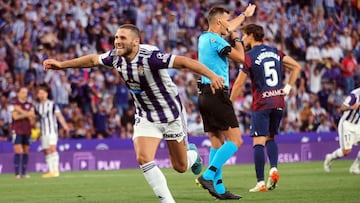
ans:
(323, 35)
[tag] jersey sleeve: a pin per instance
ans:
(220, 45)
(161, 60)
(107, 58)
(350, 100)
(281, 54)
(56, 108)
(247, 64)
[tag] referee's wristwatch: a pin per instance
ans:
(237, 40)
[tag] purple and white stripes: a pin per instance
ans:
(155, 95)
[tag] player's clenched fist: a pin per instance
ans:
(51, 64)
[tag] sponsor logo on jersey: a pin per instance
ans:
(272, 93)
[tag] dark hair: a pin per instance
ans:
(256, 30)
(132, 28)
(214, 11)
(44, 88)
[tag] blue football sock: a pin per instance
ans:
(24, 162)
(218, 184)
(259, 159)
(221, 156)
(16, 163)
(272, 152)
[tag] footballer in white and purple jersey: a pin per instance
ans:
(155, 94)
(348, 129)
(49, 114)
(159, 113)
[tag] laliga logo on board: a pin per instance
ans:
(102, 146)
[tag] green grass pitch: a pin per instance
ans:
(299, 182)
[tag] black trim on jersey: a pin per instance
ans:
(225, 51)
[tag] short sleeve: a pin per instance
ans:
(350, 100)
(107, 58)
(247, 64)
(220, 45)
(161, 60)
(56, 108)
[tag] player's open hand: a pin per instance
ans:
(51, 64)
(217, 82)
(249, 11)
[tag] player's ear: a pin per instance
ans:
(136, 42)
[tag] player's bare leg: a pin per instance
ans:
(145, 149)
(183, 157)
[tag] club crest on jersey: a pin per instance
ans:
(213, 39)
(140, 70)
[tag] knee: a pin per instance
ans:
(236, 140)
(51, 151)
(142, 159)
(346, 152)
(180, 167)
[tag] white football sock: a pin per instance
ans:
(191, 157)
(48, 162)
(157, 181)
(337, 154)
(55, 162)
(356, 161)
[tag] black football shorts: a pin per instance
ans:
(216, 110)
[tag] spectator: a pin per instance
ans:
(172, 29)
(317, 111)
(348, 68)
(345, 40)
(313, 52)
(324, 125)
(196, 128)
(46, 27)
(100, 121)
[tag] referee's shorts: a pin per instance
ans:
(216, 109)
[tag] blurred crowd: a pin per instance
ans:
(321, 34)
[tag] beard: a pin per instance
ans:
(125, 51)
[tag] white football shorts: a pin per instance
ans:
(173, 130)
(47, 140)
(349, 134)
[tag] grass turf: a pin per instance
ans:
(299, 182)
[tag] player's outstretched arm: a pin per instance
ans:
(217, 82)
(295, 68)
(87, 61)
(236, 22)
(62, 121)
